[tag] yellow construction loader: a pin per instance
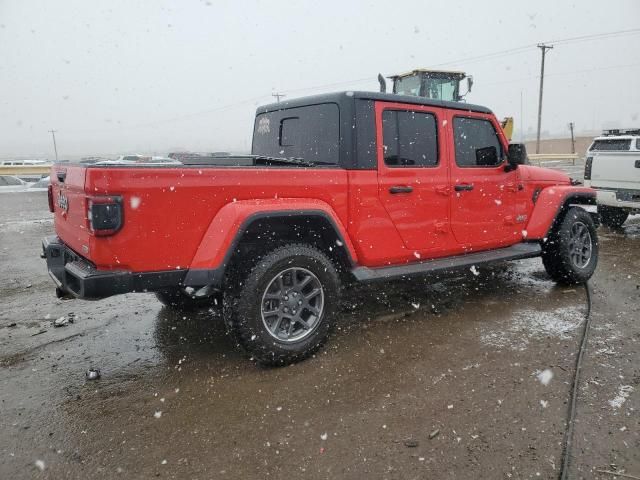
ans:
(437, 85)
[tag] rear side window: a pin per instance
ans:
(476, 142)
(410, 139)
(311, 133)
(610, 144)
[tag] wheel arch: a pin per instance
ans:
(552, 205)
(261, 230)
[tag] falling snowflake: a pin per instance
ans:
(134, 202)
(545, 376)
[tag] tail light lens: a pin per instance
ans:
(587, 168)
(50, 197)
(104, 215)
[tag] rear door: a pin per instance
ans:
(413, 172)
(484, 193)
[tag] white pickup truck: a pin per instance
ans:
(612, 167)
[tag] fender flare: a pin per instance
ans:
(550, 206)
(228, 226)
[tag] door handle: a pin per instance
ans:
(463, 187)
(401, 189)
(62, 175)
(637, 164)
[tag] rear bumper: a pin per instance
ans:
(77, 276)
(619, 198)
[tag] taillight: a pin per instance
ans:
(587, 168)
(50, 197)
(104, 215)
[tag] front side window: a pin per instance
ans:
(410, 139)
(476, 142)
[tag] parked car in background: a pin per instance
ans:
(612, 167)
(23, 163)
(11, 183)
(42, 183)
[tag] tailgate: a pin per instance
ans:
(70, 206)
(618, 170)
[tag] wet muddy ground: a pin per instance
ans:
(458, 377)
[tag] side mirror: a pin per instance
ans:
(517, 155)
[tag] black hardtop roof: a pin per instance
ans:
(339, 97)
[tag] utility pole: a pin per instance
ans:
(573, 141)
(278, 96)
(544, 49)
(55, 148)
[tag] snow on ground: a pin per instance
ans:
(533, 324)
(623, 393)
(19, 225)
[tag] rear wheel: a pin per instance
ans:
(570, 254)
(283, 310)
(612, 217)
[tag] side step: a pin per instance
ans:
(515, 252)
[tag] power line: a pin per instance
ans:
(559, 74)
(344, 83)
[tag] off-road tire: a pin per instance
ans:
(612, 217)
(244, 302)
(178, 299)
(564, 259)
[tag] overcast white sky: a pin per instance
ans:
(152, 76)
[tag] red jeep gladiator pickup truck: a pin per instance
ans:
(339, 187)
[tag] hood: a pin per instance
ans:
(538, 174)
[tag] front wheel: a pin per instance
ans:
(570, 254)
(612, 217)
(284, 309)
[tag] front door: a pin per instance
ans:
(484, 191)
(413, 176)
